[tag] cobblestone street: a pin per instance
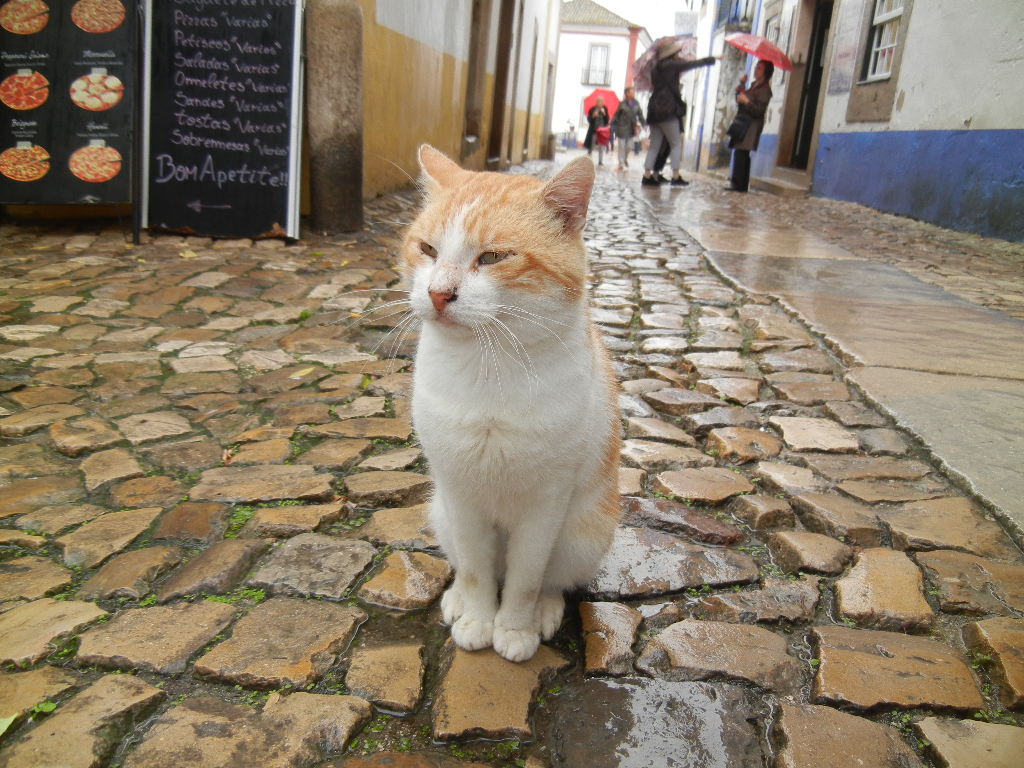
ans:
(215, 552)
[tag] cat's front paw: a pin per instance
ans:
(515, 644)
(472, 634)
(453, 605)
(548, 613)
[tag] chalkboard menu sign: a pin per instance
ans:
(222, 116)
(67, 102)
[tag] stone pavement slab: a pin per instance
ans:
(86, 730)
(159, 639)
(707, 650)
(390, 676)
(20, 691)
(655, 722)
(313, 564)
(291, 730)
(283, 642)
(609, 631)
(645, 563)
(1001, 640)
(812, 737)
(974, 585)
(970, 744)
(866, 669)
(483, 695)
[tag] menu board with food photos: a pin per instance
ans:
(222, 117)
(66, 100)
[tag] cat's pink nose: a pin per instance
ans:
(441, 299)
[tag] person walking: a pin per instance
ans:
(597, 117)
(666, 109)
(752, 105)
(626, 124)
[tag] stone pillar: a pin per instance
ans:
(334, 113)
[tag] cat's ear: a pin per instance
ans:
(568, 194)
(438, 169)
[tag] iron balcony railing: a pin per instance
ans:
(735, 13)
(593, 76)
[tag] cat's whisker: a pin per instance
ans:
(525, 311)
(483, 373)
(360, 316)
(399, 331)
(524, 359)
(409, 324)
(491, 341)
(392, 162)
(574, 354)
(384, 339)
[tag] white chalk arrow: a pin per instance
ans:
(198, 206)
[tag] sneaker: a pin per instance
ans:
(659, 178)
(679, 181)
(650, 181)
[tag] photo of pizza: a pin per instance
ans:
(24, 90)
(25, 162)
(95, 163)
(97, 91)
(98, 16)
(24, 17)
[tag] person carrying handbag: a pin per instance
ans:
(626, 124)
(745, 131)
(597, 117)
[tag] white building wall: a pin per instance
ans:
(962, 68)
(573, 50)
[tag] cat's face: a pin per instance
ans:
(492, 248)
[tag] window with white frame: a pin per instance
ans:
(885, 28)
(597, 71)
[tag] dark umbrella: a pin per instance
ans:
(644, 66)
(611, 101)
(758, 46)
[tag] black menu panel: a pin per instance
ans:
(223, 116)
(67, 100)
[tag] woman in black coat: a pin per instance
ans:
(665, 110)
(597, 117)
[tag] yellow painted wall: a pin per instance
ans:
(412, 94)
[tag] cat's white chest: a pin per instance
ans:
(502, 421)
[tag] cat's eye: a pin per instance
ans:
(428, 250)
(491, 257)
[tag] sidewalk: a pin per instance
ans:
(898, 301)
(214, 550)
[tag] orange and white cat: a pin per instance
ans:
(514, 400)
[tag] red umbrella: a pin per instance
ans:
(611, 101)
(644, 66)
(758, 46)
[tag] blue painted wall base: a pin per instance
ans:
(964, 180)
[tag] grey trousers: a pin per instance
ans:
(667, 130)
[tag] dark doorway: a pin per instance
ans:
(503, 53)
(812, 85)
(509, 156)
(476, 80)
(529, 96)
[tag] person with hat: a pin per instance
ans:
(666, 109)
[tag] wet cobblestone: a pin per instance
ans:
(216, 435)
